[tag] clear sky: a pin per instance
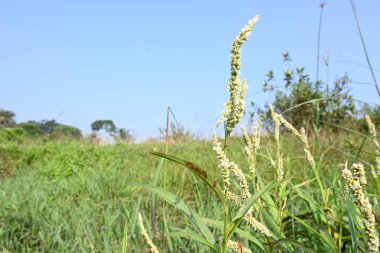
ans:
(78, 61)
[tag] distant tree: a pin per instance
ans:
(65, 131)
(106, 125)
(124, 135)
(7, 118)
(50, 128)
(33, 128)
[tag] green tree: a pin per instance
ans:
(106, 125)
(66, 131)
(33, 128)
(296, 96)
(50, 128)
(7, 118)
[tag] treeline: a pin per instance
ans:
(10, 130)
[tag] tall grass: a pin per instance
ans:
(258, 193)
(318, 214)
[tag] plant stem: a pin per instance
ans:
(364, 46)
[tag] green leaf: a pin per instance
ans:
(313, 205)
(198, 171)
(354, 236)
(324, 237)
(240, 232)
(243, 211)
(154, 198)
(168, 236)
(124, 245)
(194, 237)
(299, 245)
(267, 198)
(186, 210)
(272, 225)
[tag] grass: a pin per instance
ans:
(93, 202)
(77, 197)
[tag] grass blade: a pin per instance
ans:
(194, 237)
(243, 211)
(186, 210)
(240, 232)
(298, 245)
(168, 237)
(354, 236)
(322, 236)
(154, 198)
(197, 170)
(124, 246)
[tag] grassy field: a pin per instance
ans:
(275, 190)
(77, 197)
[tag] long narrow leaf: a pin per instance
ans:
(124, 245)
(299, 245)
(154, 198)
(197, 170)
(328, 241)
(194, 237)
(186, 210)
(240, 232)
(272, 225)
(354, 236)
(243, 211)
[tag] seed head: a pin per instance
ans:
(153, 248)
(355, 181)
(234, 108)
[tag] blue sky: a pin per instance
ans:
(78, 61)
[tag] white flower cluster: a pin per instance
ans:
(234, 108)
(251, 146)
(358, 173)
(225, 166)
(245, 194)
(355, 181)
(302, 136)
(153, 248)
(224, 162)
(256, 225)
(277, 125)
(237, 247)
(372, 130)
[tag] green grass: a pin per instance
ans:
(75, 197)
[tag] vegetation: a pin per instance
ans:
(177, 133)
(281, 215)
(297, 97)
(7, 118)
(106, 125)
(258, 193)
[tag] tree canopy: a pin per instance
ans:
(106, 125)
(7, 118)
